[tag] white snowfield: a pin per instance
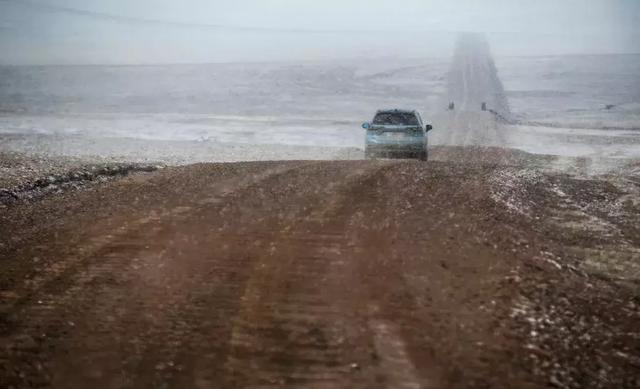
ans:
(571, 106)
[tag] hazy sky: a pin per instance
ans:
(150, 31)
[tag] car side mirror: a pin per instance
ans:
(366, 126)
(429, 127)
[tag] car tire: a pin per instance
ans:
(424, 156)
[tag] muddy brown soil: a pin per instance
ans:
(315, 274)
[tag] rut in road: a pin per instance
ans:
(369, 275)
(112, 271)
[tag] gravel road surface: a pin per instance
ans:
(371, 274)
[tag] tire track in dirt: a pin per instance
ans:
(422, 243)
(363, 274)
(286, 280)
(96, 246)
(102, 264)
(294, 327)
(175, 317)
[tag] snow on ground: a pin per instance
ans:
(575, 106)
(287, 130)
(570, 142)
(587, 91)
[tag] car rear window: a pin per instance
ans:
(396, 118)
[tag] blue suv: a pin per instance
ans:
(398, 133)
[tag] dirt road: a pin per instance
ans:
(384, 274)
(259, 276)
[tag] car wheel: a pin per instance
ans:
(424, 156)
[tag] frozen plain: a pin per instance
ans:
(576, 106)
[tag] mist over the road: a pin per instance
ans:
(473, 78)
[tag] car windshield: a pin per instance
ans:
(396, 118)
